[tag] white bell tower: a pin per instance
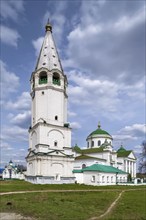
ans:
(50, 157)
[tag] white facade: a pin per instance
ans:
(99, 178)
(50, 157)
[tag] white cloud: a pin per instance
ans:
(98, 47)
(138, 149)
(5, 145)
(22, 119)
(125, 23)
(106, 97)
(136, 130)
(9, 80)
(22, 102)
(75, 125)
(9, 36)
(37, 44)
(11, 9)
(124, 137)
(14, 133)
(131, 133)
(71, 114)
(95, 94)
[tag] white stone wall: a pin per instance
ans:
(48, 135)
(54, 166)
(79, 178)
(96, 178)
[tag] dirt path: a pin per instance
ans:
(109, 209)
(68, 190)
(13, 216)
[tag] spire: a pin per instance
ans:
(99, 126)
(48, 57)
(48, 26)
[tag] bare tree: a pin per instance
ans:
(142, 159)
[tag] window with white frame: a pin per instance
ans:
(107, 179)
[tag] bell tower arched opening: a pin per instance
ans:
(43, 77)
(56, 79)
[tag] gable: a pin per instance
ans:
(132, 156)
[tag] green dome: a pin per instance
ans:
(99, 131)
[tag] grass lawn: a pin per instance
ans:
(73, 205)
(20, 185)
(59, 206)
(131, 206)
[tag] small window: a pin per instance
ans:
(103, 179)
(53, 55)
(88, 145)
(43, 78)
(99, 143)
(55, 64)
(107, 179)
(93, 179)
(56, 117)
(55, 143)
(42, 92)
(44, 63)
(45, 55)
(111, 179)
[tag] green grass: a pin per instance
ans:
(20, 185)
(73, 205)
(131, 206)
(59, 206)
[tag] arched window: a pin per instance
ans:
(92, 144)
(83, 166)
(43, 78)
(56, 79)
(88, 144)
(99, 143)
(56, 117)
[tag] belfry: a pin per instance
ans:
(50, 158)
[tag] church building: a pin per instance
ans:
(51, 159)
(100, 164)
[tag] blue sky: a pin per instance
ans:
(102, 48)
